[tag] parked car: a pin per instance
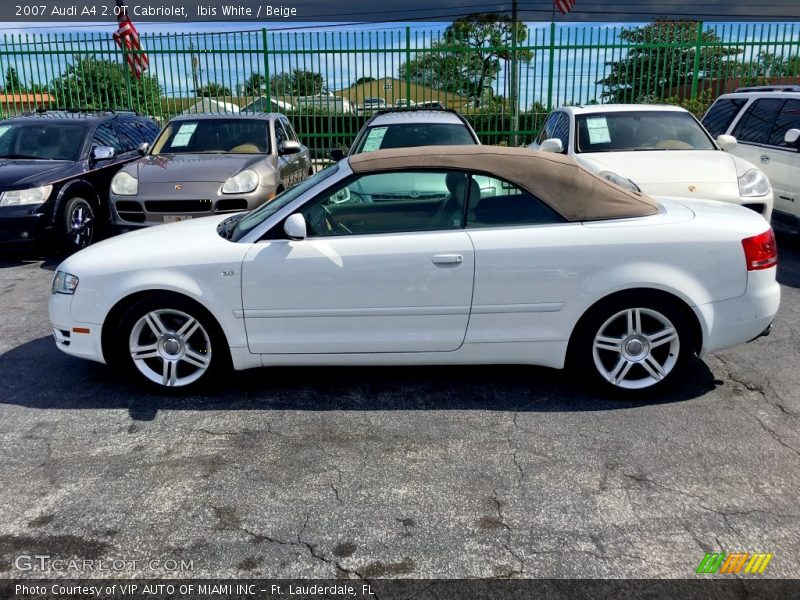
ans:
(260, 105)
(55, 169)
(209, 164)
(766, 124)
(662, 150)
(372, 104)
(408, 127)
(558, 267)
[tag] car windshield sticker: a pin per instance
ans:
(598, 130)
(374, 139)
(3, 130)
(184, 135)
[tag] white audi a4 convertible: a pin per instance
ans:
(463, 255)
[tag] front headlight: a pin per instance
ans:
(37, 195)
(124, 184)
(619, 180)
(241, 183)
(64, 283)
(753, 183)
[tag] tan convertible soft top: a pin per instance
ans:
(570, 190)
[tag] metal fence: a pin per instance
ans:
(331, 81)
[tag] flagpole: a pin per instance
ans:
(512, 90)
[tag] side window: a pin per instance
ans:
(395, 202)
(756, 124)
(498, 203)
(280, 135)
(549, 127)
(105, 136)
(290, 130)
(128, 134)
(561, 130)
(720, 116)
(788, 118)
(149, 130)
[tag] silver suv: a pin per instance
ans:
(410, 127)
(765, 120)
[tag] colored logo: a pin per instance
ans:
(735, 562)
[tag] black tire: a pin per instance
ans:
(77, 225)
(649, 359)
(204, 344)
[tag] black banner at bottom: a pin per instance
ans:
(393, 589)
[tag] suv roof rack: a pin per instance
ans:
(42, 111)
(768, 88)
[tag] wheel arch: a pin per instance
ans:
(115, 314)
(76, 188)
(641, 295)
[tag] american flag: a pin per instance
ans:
(127, 38)
(564, 6)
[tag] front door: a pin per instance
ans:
(386, 267)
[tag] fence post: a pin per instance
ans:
(408, 66)
(697, 48)
(127, 67)
(551, 66)
(266, 70)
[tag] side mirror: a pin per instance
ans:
(295, 227)
(102, 153)
(792, 138)
(143, 148)
(290, 147)
(726, 142)
(553, 145)
(336, 154)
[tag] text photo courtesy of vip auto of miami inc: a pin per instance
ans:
(399, 300)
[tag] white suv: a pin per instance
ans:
(765, 121)
(662, 150)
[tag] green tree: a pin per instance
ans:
(768, 64)
(281, 84)
(90, 82)
(297, 83)
(361, 80)
(663, 57)
(470, 55)
(254, 84)
(13, 84)
(214, 90)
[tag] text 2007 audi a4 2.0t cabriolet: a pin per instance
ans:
(417, 256)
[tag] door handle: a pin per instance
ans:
(447, 259)
(764, 158)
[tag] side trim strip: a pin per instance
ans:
(401, 311)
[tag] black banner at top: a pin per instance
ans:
(358, 11)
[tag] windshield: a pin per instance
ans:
(42, 141)
(214, 136)
(236, 227)
(640, 130)
(410, 135)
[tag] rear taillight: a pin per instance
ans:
(760, 251)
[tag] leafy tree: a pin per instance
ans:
(254, 84)
(361, 80)
(768, 64)
(13, 84)
(90, 82)
(214, 90)
(663, 57)
(470, 55)
(297, 83)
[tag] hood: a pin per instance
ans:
(20, 173)
(665, 166)
(216, 168)
(170, 245)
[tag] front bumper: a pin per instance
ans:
(193, 201)
(20, 225)
(83, 340)
(739, 320)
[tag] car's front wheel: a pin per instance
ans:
(170, 342)
(78, 224)
(629, 348)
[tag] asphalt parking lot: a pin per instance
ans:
(395, 472)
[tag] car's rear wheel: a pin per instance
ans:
(170, 342)
(630, 348)
(77, 224)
